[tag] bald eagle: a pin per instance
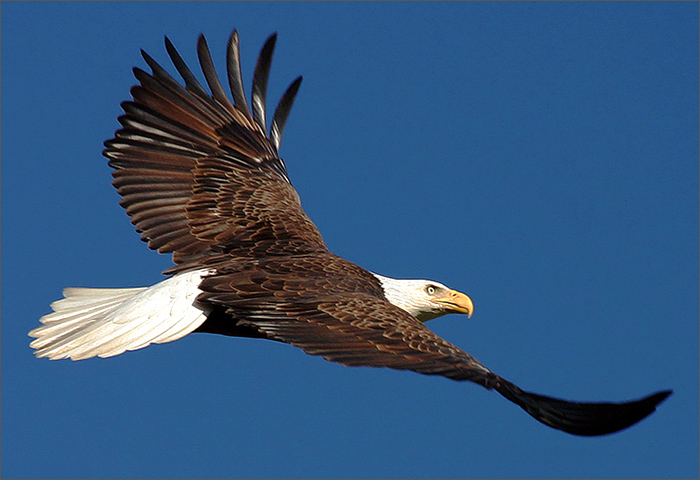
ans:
(201, 178)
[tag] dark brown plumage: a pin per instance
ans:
(201, 178)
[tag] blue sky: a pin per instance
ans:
(541, 157)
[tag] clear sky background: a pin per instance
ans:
(541, 157)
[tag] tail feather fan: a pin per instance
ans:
(105, 322)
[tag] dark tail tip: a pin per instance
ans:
(586, 419)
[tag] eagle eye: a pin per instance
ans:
(430, 289)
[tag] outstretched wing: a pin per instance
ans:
(198, 175)
(333, 308)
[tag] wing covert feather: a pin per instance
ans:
(331, 307)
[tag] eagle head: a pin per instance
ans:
(425, 299)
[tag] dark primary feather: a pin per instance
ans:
(235, 78)
(201, 179)
(191, 81)
(217, 91)
(262, 72)
(282, 112)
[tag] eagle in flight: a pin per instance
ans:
(201, 178)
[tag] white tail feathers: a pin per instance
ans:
(105, 322)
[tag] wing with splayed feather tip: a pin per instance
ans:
(198, 174)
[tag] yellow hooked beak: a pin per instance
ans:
(457, 302)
